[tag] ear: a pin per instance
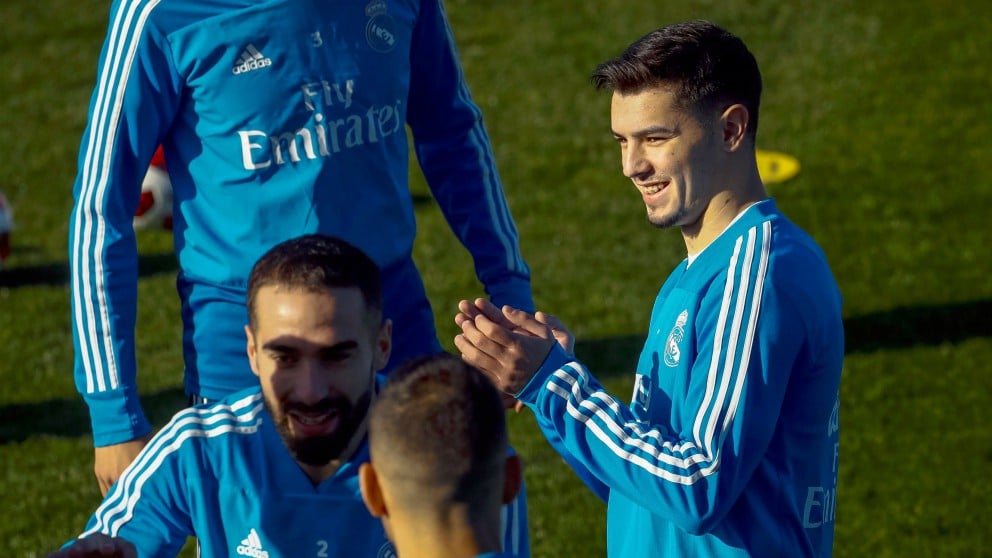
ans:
(383, 345)
(252, 352)
(514, 478)
(734, 121)
(368, 483)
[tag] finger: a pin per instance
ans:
(460, 318)
(519, 406)
(547, 319)
(525, 321)
(491, 311)
(498, 335)
(558, 329)
(480, 331)
(488, 309)
(468, 308)
(477, 358)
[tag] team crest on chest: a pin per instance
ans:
(380, 31)
(673, 353)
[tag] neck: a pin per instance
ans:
(445, 535)
(722, 209)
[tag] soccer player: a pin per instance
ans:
(277, 119)
(439, 469)
(272, 471)
(729, 446)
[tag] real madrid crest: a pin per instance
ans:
(672, 351)
(380, 31)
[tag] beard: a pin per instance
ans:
(320, 450)
(666, 221)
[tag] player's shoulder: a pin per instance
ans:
(794, 255)
(239, 413)
(168, 16)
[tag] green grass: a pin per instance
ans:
(886, 105)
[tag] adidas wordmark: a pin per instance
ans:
(252, 546)
(250, 59)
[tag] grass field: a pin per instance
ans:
(885, 104)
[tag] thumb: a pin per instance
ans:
(525, 321)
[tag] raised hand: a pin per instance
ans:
(507, 345)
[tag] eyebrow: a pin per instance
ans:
(651, 130)
(278, 347)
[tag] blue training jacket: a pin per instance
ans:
(222, 474)
(278, 118)
(730, 444)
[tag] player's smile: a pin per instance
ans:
(651, 190)
(310, 424)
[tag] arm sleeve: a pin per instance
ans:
(692, 468)
(132, 106)
(454, 153)
(598, 487)
(148, 505)
(513, 517)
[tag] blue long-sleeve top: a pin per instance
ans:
(730, 444)
(278, 118)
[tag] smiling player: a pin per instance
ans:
(272, 471)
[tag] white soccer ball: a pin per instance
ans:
(155, 208)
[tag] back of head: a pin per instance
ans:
(708, 68)
(437, 435)
(317, 262)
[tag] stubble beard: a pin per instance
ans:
(318, 451)
(666, 221)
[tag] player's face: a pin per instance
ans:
(669, 154)
(315, 354)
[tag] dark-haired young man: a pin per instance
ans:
(729, 446)
(272, 471)
(439, 471)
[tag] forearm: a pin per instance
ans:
(662, 471)
(454, 152)
(104, 297)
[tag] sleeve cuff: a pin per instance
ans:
(116, 417)
(555, 360)
(514, 292)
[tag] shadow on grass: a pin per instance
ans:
(913, 326)
(609, 357)
(57, 274)
(70, 418)
(899, 328)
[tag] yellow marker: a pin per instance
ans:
(775, 167)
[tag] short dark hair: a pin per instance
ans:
(440, 423)
(317, 262)
(708, 67)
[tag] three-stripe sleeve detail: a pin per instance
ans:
(646, 446)
(89, 291)
(117, 509)
(499, 211)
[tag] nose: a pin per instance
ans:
(635, 164)
(311, 383)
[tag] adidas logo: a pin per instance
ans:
(252, 545)
(250, 59)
